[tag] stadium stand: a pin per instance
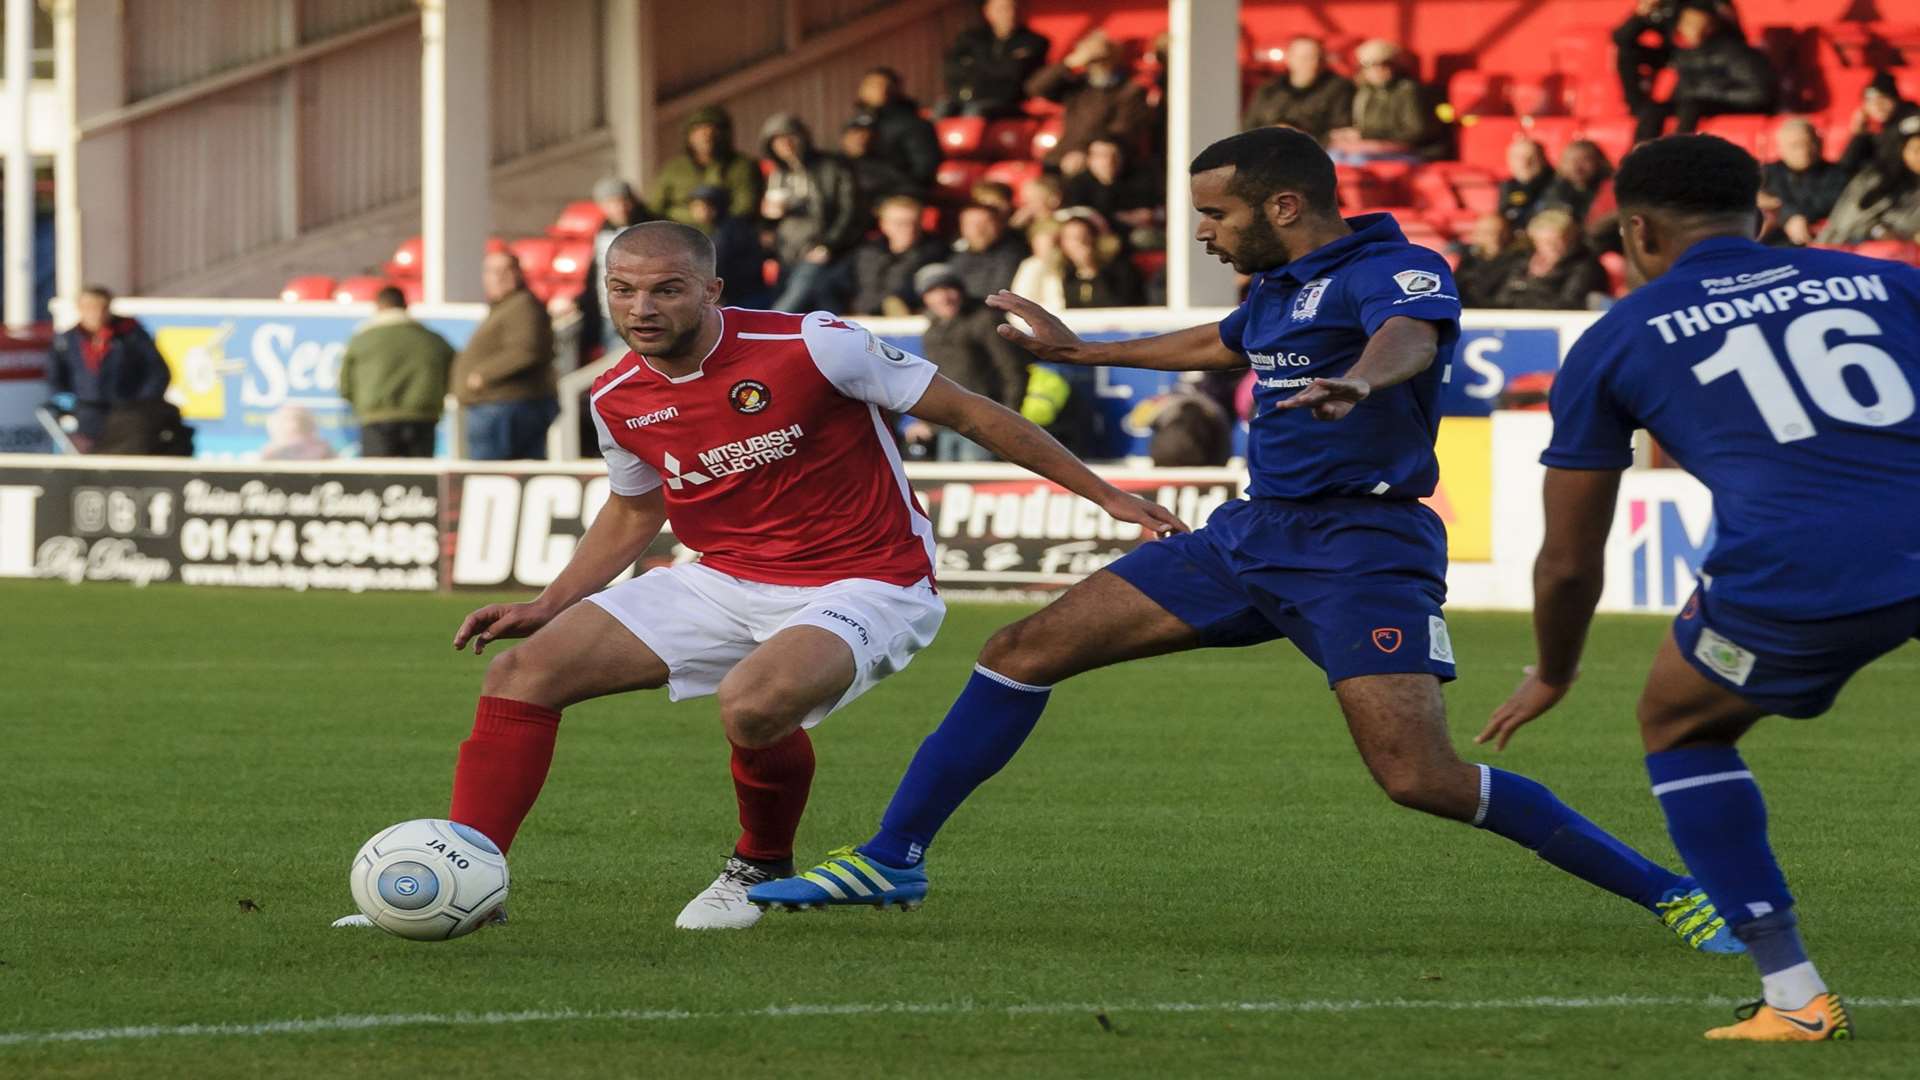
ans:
(1548, 73)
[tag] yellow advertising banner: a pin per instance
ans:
(1464, 498)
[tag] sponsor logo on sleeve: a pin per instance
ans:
(1417, 282)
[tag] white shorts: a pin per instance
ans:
(702, 622)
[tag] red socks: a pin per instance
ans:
(503, 765)
(771, 785)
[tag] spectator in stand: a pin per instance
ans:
(1799, 190)
(1559, 273)
(994, 195)
(987, 254)
(102, 364)
(817, 216)
(963, 341)
(1486, 259)
(622, 209)
(1718, 73)
(737, 255)
(708, 159)
(1093, 272)
(989, 64)
(1643, 45)
(1098, 98)
(1582, 183)
(901, 136)
(1392, 118)
(1040, 198)
(1110, 185)
(1881, 203)
(503, 379)
(876, 177)
(394, 375)
(1878, 126)
(1528, 178)
(1308, 96)
(883, 267)
(1039, 277)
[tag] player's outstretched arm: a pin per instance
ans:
(615, 540)
(1567, 579)
(1402, 348)
(1197, 348)
(1021, 441)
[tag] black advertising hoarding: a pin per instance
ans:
(247, 528)
(998, 530)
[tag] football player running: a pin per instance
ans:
(763, 438)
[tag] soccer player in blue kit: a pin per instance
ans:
(1783, 379)
(1346, 322)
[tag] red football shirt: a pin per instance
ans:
(777, 461)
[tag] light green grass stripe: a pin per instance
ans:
(879, 1008)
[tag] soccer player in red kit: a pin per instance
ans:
(764, 437)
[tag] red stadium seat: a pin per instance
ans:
(496, 245)
(1898, 250)
(535, 254)
(930, 217)
(1046, 136)
(1613, 135)
(1615, 265)
(1149, 263)
(1009, 138)
(1553, 133)
(961, 136)
(414, 291)
(1484, 143)
(581, 218)
(1478, 93)
(1746, 132)
(1432, 191)
(571, 258)
(405, 263)
(1014, 174)
(1583, 51)
(1479, 196)
(955, 179)
(1537, 95)
(1908, 81)
(352, 290)
(308, 287)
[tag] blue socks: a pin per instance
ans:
(980, 734)
(1526, 813)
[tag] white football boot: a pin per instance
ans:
(723, 906)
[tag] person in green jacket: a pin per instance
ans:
(394, 374)
(710, 159)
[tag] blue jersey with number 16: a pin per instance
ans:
(1785, 381)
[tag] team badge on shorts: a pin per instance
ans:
(1387, 639)
(1417, 282)
(749, 396)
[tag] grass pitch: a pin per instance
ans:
(1187, 872)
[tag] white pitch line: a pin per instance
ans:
(881, 1008)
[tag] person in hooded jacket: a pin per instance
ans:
(708, 159)
(813, 203)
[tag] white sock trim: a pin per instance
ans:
(1792, 988)
(1486, 794)
(1701, 781)
(1009, 683)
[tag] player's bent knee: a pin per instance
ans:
(1018, 653)
(517, 674)
(756, 718)
(1443, 792)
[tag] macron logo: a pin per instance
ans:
(678, 477)
(653, 417)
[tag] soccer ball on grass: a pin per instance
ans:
(429, 879)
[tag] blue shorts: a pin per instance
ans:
(1793, 668)
(1355, 583)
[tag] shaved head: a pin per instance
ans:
(667, 240)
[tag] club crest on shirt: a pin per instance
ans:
(749, 396)
(1306, 302)
(1417, 282)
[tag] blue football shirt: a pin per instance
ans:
(1311, 319)
(1783, 379)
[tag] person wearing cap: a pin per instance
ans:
(1098, 96)
(883, 267)
(963, 341)
(875, 176)
(738, 256)
(817, 217)
(1391, 114)
(708, 158)
(1718, 73)
(1876, 126)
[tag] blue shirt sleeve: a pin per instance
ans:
(1410, 281)
(1591, 429)
(1234, 326)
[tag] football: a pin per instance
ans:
(429, 879)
